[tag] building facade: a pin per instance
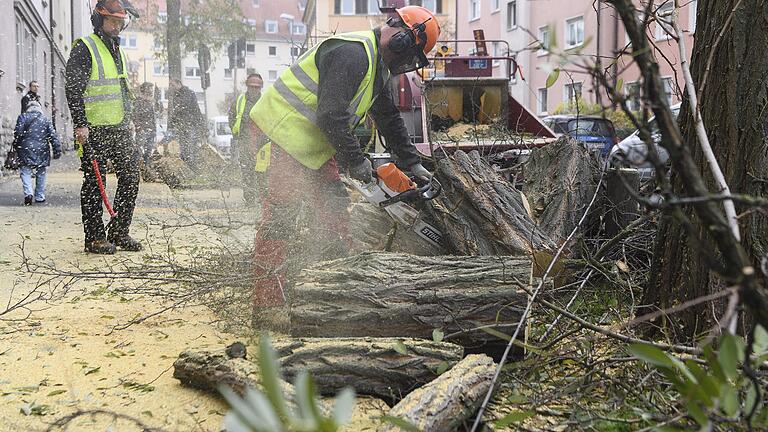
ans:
(37, 39)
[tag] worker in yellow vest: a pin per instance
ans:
(243, 147)
(309, 114)
(99, 100)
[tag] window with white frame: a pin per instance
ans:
(664, 28)
(572, 92)
(632, 91)
(373, 7)
(270, 26)
(157, 44)
(669, 89)
(272, 51)
(541, 101)
(692, 8)
(256, 3)
(511, 15)
(574, 32)
(251, 22)
(192, 72)
(495, 5)
(162, 17)
(159, 68)
(496, 50)
(250, 48)
(544, 40)
(474, 9)
(227, 73)
(436, 6)
(128, 41)
(272, 75)
(299, 29)
(344, 7)
(19, 51)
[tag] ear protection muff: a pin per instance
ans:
(406, 39)
(97, 20)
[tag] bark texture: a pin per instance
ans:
(387, 368)
(450, 400)
(479, 213)
(560, 180)
(734, 107)
(399, 295)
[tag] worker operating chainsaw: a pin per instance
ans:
(309, 116)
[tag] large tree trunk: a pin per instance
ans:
(387, 294)
(387, 368)
(480, 213)
(173, 38)
(560, 180)
(449, 401)
(734, 107)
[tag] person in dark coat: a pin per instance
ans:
(186, 122)
(32, 139)
(30, 96)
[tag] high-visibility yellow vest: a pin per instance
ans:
(103, 96)
(240, 110)
(287, 111)
(263, 158)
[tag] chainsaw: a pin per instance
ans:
(393, 191)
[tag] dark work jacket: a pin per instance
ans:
(79, 73)
(33, 138)
(184, 112)
(27, 98)
(144, 115)
(342, 65)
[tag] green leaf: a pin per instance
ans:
(619, 85)
(714, 364)
(437, 335)
(344, 406)
(402, 424)
(696, 412)
(751, 399)
(552, 78)
(305, 399)
(442, 367)
(708, 385)
(263, 408)
(242, 415)
(492, 331)
(651, 354)
(760, 346)
(57, 392)
(513, 417)
(729, 400)
(401, 348)
(270, 376)
(728, 356)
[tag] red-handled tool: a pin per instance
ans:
(102, 191)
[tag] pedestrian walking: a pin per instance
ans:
(99, 99)
(144, 122)
(243, 146)
(33, 139)
(30, 96)
(186, 122)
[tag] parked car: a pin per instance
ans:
(594, 132)
(220, 135)
(633, 152)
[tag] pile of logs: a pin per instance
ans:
(397, 321)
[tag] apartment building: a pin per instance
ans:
(36, 40)
(486, 16)
(327, 17)
(571, 34)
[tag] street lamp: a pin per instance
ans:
(290, 18)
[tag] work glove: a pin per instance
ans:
(419, 171)
(361, 170)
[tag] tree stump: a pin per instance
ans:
(386, 368)
(399, 295)
(560, 180)
(450, 400)
(479, 213)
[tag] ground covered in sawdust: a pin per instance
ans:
(70, 352)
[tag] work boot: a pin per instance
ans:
(126, 243)
(101, 247)
(28, 200)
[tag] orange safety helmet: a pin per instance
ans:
(423, 23)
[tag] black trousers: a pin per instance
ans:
(117, 146)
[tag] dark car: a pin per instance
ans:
(596, 133)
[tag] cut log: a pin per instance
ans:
(387, 368)
(450, 400)
(560, 180)
(479, 213)
(372, 229)
(400, 295)
(207, 370)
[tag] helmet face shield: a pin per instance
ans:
(408, 62)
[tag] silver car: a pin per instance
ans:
(632, 151)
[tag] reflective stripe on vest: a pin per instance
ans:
(240, 111)
(103, 95)
(287, 111)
